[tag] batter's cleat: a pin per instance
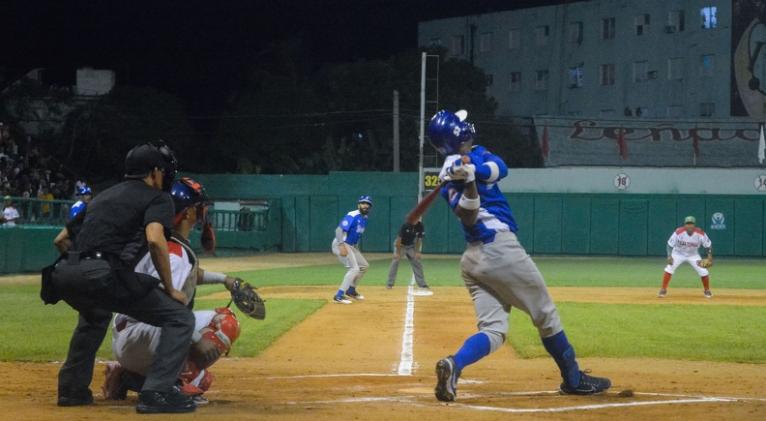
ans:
(708, 293)
(389, 286)
(423, 292)
(446, 380)
(663, 292)
(114, 388)
(172, 402)
(355, 295)
(82, 398)
(341, 299)
(589, 385)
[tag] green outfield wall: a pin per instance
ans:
(592, 216)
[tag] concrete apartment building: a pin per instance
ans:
(617, 59)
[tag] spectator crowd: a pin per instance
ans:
(28, 172)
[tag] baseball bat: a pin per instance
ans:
(422, 206)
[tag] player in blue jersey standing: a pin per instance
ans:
(345, 246)
(496, 269)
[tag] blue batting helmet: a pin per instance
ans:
(76, 209)
(448, 130)
(84, 191)
(187, 193)
(365, 199)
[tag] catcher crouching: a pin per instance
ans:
(134, 343)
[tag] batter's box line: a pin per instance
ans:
(412, 401)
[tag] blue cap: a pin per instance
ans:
(84, 191)
(448, 130)
(76, 209)
(365, 199)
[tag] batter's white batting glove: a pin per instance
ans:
(462, 172)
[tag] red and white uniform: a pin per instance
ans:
(686, 249)
(134, 343)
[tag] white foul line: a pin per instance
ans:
(589, 407)
(406, 358)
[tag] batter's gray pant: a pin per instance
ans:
(353, 261)
(417, 267)
(500, 275)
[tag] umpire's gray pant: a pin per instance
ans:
(417, 267)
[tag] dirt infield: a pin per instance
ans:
(342, 363)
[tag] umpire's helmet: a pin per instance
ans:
(143, 158)
(187, 193)
(448, 130)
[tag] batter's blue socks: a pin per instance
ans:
(340, 294)
(562, 352)
(475, 348)
(351, 291)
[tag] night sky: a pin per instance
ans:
(198, 50)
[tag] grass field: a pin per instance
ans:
(684, 332)
(558, 271)
(695, 332)
(34, 332)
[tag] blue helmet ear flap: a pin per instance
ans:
(447, 131)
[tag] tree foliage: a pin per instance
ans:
(339, 117)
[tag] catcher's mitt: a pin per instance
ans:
(705, 263)
(247, 300)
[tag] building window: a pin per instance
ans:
(607, 28)
(541, 34)
(541, 82)
(641, 23)
(707, 109)
(575, 32)
(485, 42)
(435, 42)
(458, 45)
(675, 68)
(514, 39)
(675, 111)
(709, 16)
(640, 71)
(575, 76)
(515, 85)
(707, 65)
(606, 74)
(675, 21)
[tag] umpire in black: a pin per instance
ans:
(96, 277)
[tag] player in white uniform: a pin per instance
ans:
(134, 343)
(683, 246)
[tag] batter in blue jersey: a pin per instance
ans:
(345, 245)
(497, 271)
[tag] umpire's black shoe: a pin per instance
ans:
(76, 399)
(589, 385)
(173, 402)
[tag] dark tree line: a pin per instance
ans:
(288, 117)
